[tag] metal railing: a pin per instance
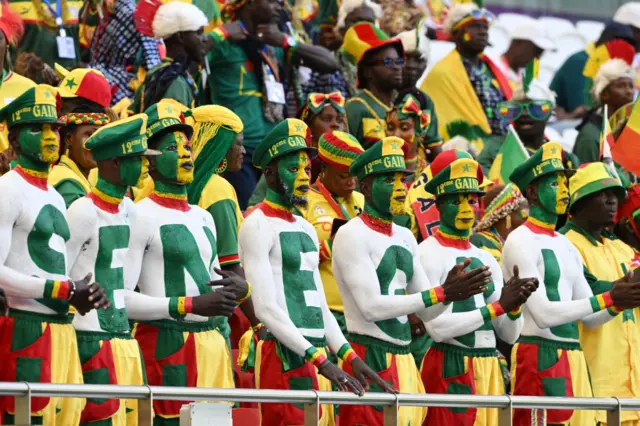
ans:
(310, 399)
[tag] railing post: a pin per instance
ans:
(391, 413)
(145, 410)
(312, 412)
(505, 415)
(614, 417)
(23, 408)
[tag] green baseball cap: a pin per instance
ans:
(547, 159)
(455, 171)
(166, 116)
(287, 136)
(386, 155)
(39, 104)
(121, 138)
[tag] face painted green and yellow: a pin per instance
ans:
(458, 213)
(388, 193)
(294, 174)
(40, 142)
(176, 162)
(134, 170)
(553, 193)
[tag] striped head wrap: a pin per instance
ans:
(77, 118)
(509, 200)
(339, 149)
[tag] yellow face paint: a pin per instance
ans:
(396, 206)
(466, 214)
(49, 144)
(144, 174)
(301, 177)
(562, 194)
(184, 157)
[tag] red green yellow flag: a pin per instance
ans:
(606, 137)
(512, 153)
(626, 150)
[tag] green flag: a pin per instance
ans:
(511, 155)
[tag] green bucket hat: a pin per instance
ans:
(288, 136)
(164, 117)
(591, 178)
(386, 155)
(547, 159)
(39, 104)
(455, 171)
(121, 138)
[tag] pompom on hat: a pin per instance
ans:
(161, 20)
(339, 149)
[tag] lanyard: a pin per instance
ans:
(57, 13)
(269, 68)
(340, 211)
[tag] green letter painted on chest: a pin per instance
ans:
(396, 258)
(469, 339)
(180, 252)
(299, 284)
(50, 221)
(111, 238)
(551, 284)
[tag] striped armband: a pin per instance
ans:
(614, 310)
(491, 311)
(314, 356)
(433, 296)
(219, 34)
(54, 289)
(246, 296)
(514, 315)
(347, 354)
(601, 301)
(180, 306)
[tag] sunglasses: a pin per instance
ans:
(389, 62)
(482, 14)
(537, 110)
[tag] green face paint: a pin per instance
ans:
(388, 194)
(176, 163)
(458, 213)
(553, 193)
(134, 170)
(40, 142)
(294, 176)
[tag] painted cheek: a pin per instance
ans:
(49, 144)
(465, 212)
(144, 172)
(395, 206)
(562, 193)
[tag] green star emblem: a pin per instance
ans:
(298, 128)
(47, 94)
(394, 145)
(169, 110)
(179, 138)
(466, 168)
(553, 150)
(71, 83)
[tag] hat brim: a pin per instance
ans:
(544, 43)
(385, 43)
(180, 127)
(313, 152)
(151, 153)
(597, 186)
(52, 122)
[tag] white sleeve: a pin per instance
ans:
(142, 307)
(255, 240)
(422, 282)
(351, 258)
(507, 329)
(14, 283)
(545, 313)
(83, 219)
